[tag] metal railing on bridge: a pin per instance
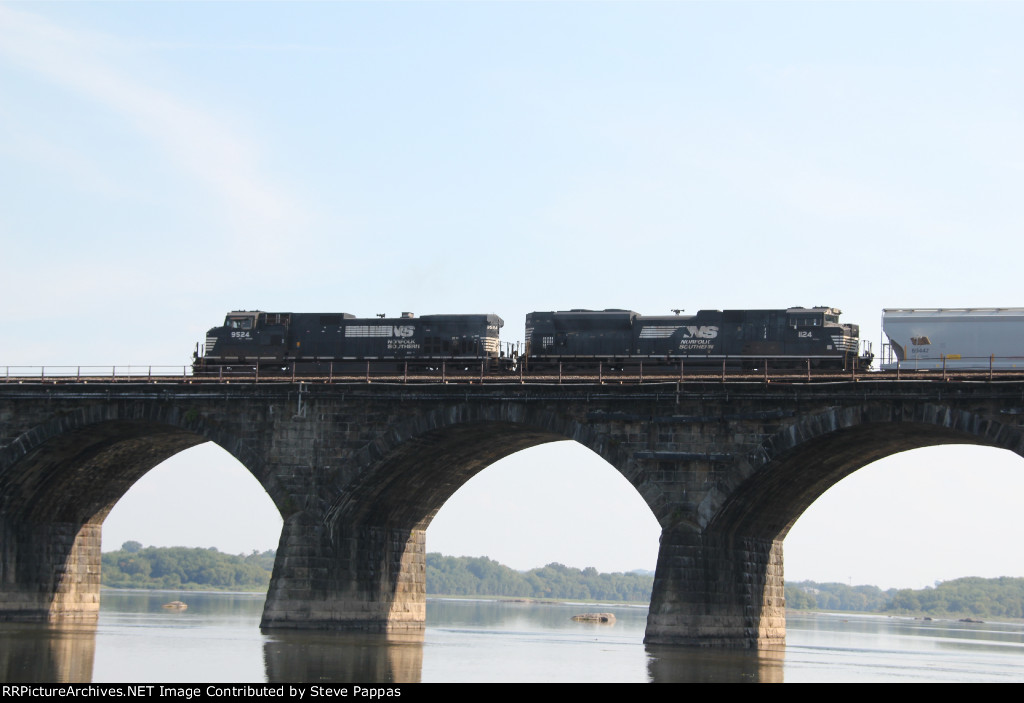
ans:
(725, 369)
(127, 372)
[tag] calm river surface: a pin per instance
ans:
(218, 640)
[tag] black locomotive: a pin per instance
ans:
(594, 340)
(738, 338)
(322, 343)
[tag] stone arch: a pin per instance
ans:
(58, 482)
(796, 465)
(408, 473)
(97, 428)
(556, 503)
(353, 557)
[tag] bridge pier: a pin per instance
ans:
(717, 591)
(49, 571)
(362, 578)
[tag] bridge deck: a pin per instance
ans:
(52, 376)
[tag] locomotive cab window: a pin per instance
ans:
(239, 323)
(806, 321)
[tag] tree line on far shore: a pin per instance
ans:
(135, 566)
(480, 576)
(972, 596)
(190, 568)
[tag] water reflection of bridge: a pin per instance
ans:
(475, 641)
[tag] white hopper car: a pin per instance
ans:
(954, 338)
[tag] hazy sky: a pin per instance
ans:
(163, 163)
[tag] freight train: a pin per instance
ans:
(327, 343)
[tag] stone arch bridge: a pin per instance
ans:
(359, 471)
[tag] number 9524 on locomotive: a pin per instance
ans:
(305, 343)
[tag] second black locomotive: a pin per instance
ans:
(744, 338)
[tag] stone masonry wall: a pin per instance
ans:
(359, 471)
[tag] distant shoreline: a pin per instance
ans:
(188, 569)
(919, 617)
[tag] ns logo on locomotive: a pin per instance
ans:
(321, 343)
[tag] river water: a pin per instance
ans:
(217, 639)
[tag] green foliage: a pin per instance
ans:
(185, 568)
(966, 597)
(480, 576)
(809, 595)
(972, 596)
